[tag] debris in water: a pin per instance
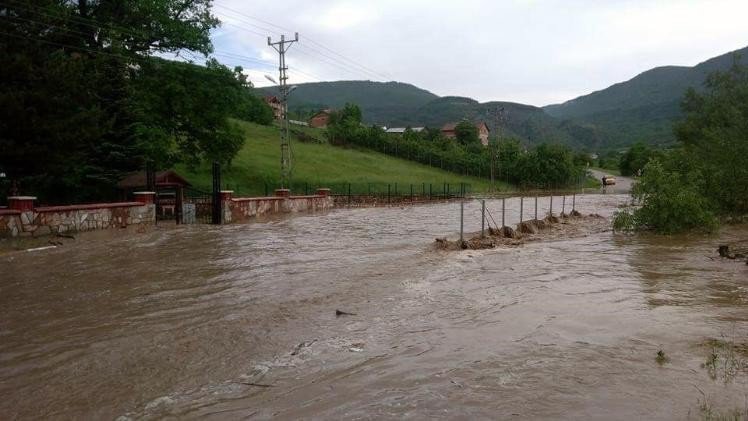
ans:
(724, 252)
(343, 313)
(302, 345)
(65, 236)
(530, 230)
(257, 384)
(41, 248)
(661, 358)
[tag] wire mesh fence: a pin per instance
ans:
(392, 191)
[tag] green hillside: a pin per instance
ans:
(320, 164)
(644, 107)
(526, 122)
(381, 101)
(395, 104)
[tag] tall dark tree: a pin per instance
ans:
(466, 133)
(67, 77)
(714, 133)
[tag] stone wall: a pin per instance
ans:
(62, 219)
(10, 223)
(244, 209)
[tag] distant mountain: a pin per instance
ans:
(526, 122)
(380, 102)
(394, 104)
(643, 108)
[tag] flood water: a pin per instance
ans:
(238, 321)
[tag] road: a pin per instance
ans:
(623, 184)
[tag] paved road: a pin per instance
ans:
(623, 184)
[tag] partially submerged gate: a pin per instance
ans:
(197, 207)
(177, 200)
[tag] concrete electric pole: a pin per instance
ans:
(500, 118)
(281, 47)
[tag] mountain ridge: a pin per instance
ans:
(641, 108)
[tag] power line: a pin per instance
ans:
(98, 27)
(65, 45)
(83, 21)
(354, 64)
(322, 57)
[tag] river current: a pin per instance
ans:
(239, 321)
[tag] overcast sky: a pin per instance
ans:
(535, 52)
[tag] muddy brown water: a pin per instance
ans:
(239, 321)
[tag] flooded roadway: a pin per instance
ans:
(239, 321)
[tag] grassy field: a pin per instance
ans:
(319, 164)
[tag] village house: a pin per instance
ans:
(320, 120)
(275, 104)
(401, 130)
(449, 131)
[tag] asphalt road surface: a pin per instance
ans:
(623, 184)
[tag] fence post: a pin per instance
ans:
(423, 190)
(178, 205)
(216, 214)
(574, 202)
(447, 191)
(430, 185)
(503, 211)
(563, 206)
(349, 194)
(411, 193)
(536, 206)
(396, 189)
(483, 219)
(551, 207)
(462, 213)
(388, 194)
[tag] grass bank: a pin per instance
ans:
(258, 165)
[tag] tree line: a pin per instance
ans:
(86, 100)
(704, 178)
(542, 166)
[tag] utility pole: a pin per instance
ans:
(499, 118)
(281, 47)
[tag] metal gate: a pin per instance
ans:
(187, 205)
(197, 207)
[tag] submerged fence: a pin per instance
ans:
(537, 206)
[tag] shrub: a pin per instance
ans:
(670, 202)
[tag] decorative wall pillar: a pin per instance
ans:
(21, 203)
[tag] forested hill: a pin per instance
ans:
(644, 107)
(395, 104)
(379, 101)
